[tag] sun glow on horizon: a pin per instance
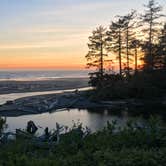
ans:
(54, 34)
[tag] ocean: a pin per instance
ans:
(36, 75)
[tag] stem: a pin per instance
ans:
(120, 60)
(127, 50)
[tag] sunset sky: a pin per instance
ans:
(53, 33)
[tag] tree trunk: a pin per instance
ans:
(120, 58)
(150, 45)
(127, 50)
(101, 60)
(135, 59)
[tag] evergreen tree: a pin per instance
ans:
(115, 41)
(96, 45)
(150, 22)
(135, 44)
(129, 26)
(162, 46)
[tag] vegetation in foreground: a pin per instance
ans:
(133, 145)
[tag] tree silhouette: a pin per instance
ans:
(135, 44)
(114, 39)
(96, 45)
(150, 21)
(161, 58)
(128, 30)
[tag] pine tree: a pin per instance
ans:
(135, 44)
(150, 21)
(96, 45)
(115, 41)
(162, 47)
(129, 26)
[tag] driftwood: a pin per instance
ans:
(47, 139)
(23, 134)
(53, 105)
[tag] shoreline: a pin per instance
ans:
(68, 95)
(38, 79)
(71, 99)
(17, 97)
(47, 103)
(14, 96)
(9, 87)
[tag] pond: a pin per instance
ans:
(94, 119)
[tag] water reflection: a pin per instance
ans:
(94, 119)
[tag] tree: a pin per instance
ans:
(128, 28)
(150, 18)
(162, 47)
(96, 45)
(135, 44)
(114, 39)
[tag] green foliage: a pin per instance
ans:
(132, 145)
(2, 124)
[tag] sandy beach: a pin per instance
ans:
(7, 87)
(47, 103)
(27, 97)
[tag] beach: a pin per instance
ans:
(8, 87)
(33, 97)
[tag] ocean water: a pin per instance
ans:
(23, 75)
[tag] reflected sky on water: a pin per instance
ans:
(94, 119)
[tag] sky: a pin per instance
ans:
(51, 34)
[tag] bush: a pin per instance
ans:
(141, 85)
(132, 145)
